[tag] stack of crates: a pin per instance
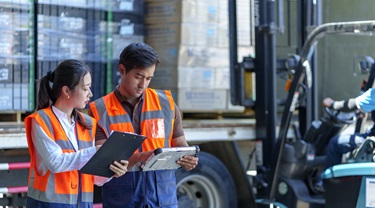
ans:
(38, 35)
(93, 31)
(125, 25)
(192, 40)
(72, 30)
(16, 60)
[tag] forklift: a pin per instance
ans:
(274, 188)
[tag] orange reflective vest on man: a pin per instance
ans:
(140, 189)
(157, 117)
(60, 189)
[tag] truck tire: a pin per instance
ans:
(208, 185)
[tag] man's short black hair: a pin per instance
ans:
(138, 55)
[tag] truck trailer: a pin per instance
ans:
(225, 143)
(240, 154)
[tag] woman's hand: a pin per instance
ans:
(119, 168)
(97, 147)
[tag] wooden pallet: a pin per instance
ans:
(13, 116)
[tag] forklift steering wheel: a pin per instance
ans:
(340, 117)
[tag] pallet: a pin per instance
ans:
(12, 122)
(13, 116)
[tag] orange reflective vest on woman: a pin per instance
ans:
(156, 119)
(65, 187)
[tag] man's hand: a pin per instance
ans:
(188, 162)
(139, 157)
(328, 102)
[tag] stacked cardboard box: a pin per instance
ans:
(191, 38)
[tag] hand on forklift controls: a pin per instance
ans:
(188, 162)
(328, 102)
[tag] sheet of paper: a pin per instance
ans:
(370, 190)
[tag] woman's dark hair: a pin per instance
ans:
(138, 55)
(68, 73)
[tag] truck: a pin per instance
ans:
(235, 166)
(14, 156)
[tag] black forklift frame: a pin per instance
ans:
(265, 66)
(303, 74)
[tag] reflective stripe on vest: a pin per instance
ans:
(108, 110)
(59, 187)
(157, 117)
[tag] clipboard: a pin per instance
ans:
(118, 146)
(165, 158)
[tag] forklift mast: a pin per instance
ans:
(266, 66)
(302, 94)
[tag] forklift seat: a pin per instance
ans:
(350, 185)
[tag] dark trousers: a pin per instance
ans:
(342, 144)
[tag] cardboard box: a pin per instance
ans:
(178, 11)
(203, 78)
(202, 100)
(165, 78)
(196, 78)
(183, 33)
(192, 56)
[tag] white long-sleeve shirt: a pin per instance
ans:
(49, 155)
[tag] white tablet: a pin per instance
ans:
(165, 158)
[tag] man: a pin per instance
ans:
(133, 107)
(342, 144)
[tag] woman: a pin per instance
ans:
(61, 140)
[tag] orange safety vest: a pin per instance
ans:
(156, 119)
(59, 187)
